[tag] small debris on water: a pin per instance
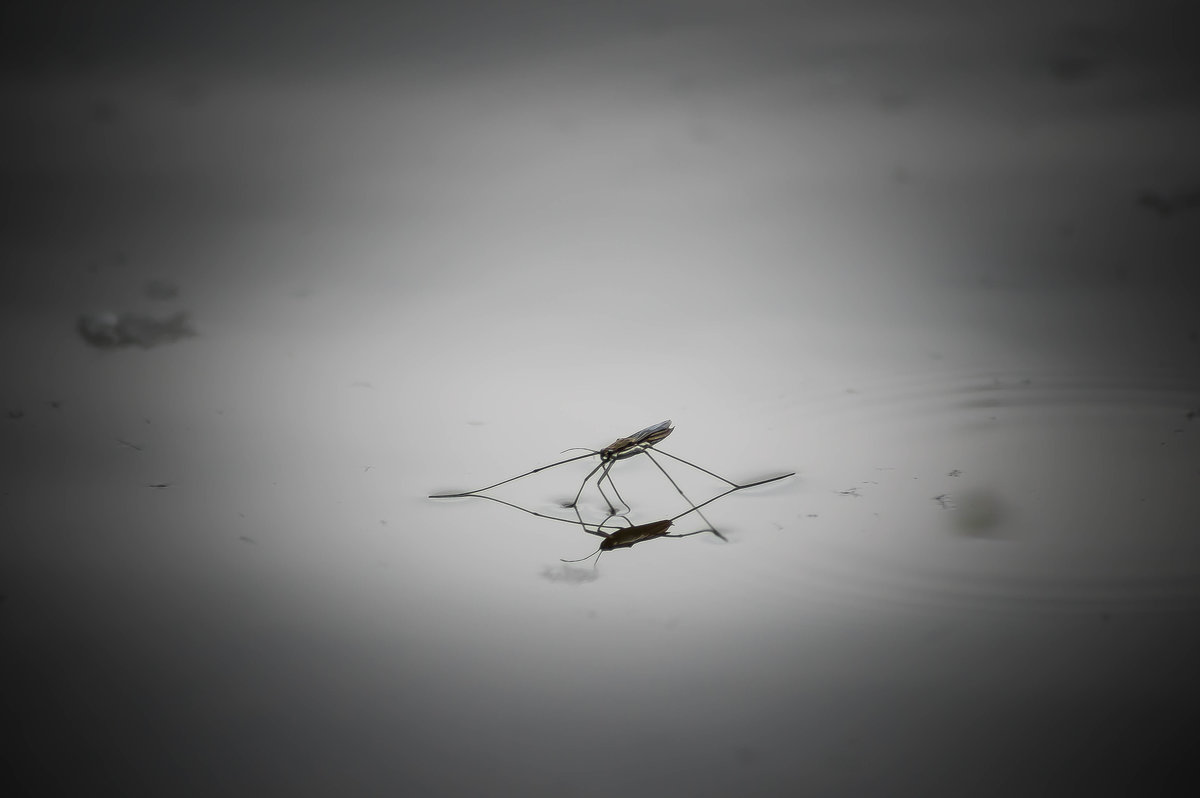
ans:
(108, 330)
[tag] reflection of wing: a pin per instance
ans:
(643, 434)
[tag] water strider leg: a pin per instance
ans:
(698, 468)
(679, 490)
(583, 484)
(512, 479)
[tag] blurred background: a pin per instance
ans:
(274, 272)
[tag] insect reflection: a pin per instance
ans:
(633, 534)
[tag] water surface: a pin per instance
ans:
(903, 255)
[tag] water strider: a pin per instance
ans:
(640, 442)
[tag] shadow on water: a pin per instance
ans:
(569, 574)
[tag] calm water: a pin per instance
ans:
(901, 255)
